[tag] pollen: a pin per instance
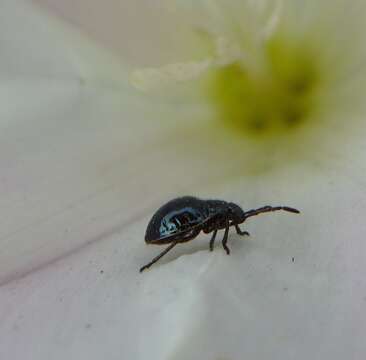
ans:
(277, 97)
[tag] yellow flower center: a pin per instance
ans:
(277, 97)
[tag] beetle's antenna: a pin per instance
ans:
(266, 209)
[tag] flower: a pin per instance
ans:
(264, 106)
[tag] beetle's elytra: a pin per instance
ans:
(182, 219)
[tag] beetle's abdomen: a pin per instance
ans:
(177, 216)
(180, 220)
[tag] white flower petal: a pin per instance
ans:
(295, 288)
(299, 286)
(76, 149)
(152, 78)
(117, 26)
(40, 46)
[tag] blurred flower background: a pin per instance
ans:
(109, 109)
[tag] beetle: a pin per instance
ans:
(182, 219)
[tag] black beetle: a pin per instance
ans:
(182, 219)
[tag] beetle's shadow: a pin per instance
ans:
(236, 243)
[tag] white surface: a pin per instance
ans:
(83, 167)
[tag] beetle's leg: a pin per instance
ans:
(153, 261)
(212, 241)
(240, 232)
(224, 239)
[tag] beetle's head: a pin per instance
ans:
(236, 213)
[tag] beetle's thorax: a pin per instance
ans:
(229, 210)
(216, 207)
